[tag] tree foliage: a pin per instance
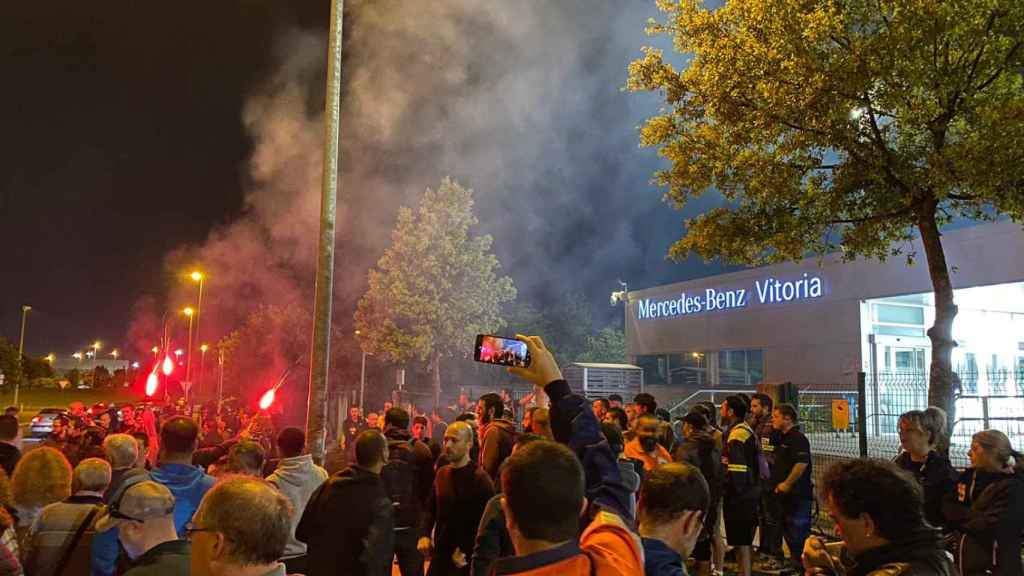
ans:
(272, 338)
(436, 286)
(836, 125)
(609, 345)
(840, 125)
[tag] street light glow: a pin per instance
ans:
(156, 350)
(77, 355)
(188, 311)
(196, 276)
(179, 352)
(114, 353)
(203, 347)
(51, 357)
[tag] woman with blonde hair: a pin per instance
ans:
(921, 432)
(987, 508)
(42, 477)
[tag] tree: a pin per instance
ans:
(9, 362)
(436, 287)
(272, 339)
(848, 126)
(609, 345)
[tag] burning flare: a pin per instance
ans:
(168, 365)
(151, 383)
(267, 399)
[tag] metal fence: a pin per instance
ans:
(860, 418)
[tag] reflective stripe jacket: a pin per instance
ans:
(740, 461)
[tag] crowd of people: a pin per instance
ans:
(579, 487)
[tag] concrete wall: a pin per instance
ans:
(817, 340)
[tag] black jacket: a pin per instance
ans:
(9, 456)
(168, 559)
(920, 553)
(987, 512)
(937, 477)
(416, 455)
(348, 526)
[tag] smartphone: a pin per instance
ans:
(501, 351)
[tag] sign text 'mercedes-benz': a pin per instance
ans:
(767, 291)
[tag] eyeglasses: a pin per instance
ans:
(191, 529)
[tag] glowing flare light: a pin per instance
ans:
(151, 383)
(168, 366)
(267, 399)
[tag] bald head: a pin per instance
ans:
(458, 440)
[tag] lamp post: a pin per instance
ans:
(190, 312)
(95, 362)
(200, 278)
(220, 378)
(362, 376)
(202, 364)
(21, 348)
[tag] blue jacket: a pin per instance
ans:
(188, 484)
(660, 560)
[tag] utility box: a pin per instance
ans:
(593, 380)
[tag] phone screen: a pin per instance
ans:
(501, 351)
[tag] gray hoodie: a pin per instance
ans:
(297, 478)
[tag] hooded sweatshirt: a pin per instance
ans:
(496, 444)
(188, 484)
(297, 478)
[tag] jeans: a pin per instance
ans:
(410, 560)
(796, 525)
(770, 517)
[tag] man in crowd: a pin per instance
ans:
(456, 503)
(128, 424)
(351, 428)
(408, 478)
(673, 500)
(509, 404)
(600, 408)
(188, 483)
(52, 533)
(245, 458)
(545, 484)
(372, 421)
(644, 446)
(538, 421)
(615, 401)
(645, 403)
(497, 434)
(9, 451)
(142, 511)
(240, 529)
(618, 417)
(122, 452)
(348, 523)
(760, 420)
(297, 477)
(791, 481)
(742, 486)
(420, 425)
(437, 428)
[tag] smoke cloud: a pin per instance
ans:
(521, 101)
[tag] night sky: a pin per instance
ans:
(122, 141)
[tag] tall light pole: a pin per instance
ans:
(319, 365)
(199, 277)
(362, 376)
(21, 349)
(190, 313)
(95, 362)
(202, 363)
(220, 378)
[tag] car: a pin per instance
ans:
(42, 423)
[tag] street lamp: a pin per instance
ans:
(51, 357)
(96, 362)
(21, 348)
(362, 375)
(155, 350)
(199, 278)
(190, 312)
(202, 364)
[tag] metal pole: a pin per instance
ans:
(21, 349)
(362, 381)
(316, 413)
(862, 408)
(199, 312)
(188, 357)
(874, 384)
(220, 381)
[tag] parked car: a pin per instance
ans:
(42, 423)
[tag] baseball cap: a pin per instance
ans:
(139, 498)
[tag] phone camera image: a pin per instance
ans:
(501, 351)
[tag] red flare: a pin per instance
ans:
(267, 399)
(168, 366)
(151, 383)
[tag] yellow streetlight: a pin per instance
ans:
(51, 357)
(202, 365)
(77, 356)
(114, 353)
(198, 277)
(156, 350)
(96, 361)
(190, 312)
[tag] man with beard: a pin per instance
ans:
(456, 504)
(742, 484)
(497, 434)
(644, 446)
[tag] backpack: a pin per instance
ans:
(399, 477)
(763, 469)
